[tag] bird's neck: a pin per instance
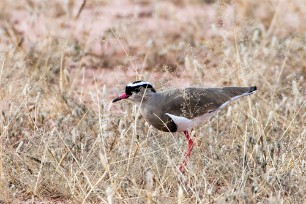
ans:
(142, 97)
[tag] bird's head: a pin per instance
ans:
(135, 91)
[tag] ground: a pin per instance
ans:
(62, 63)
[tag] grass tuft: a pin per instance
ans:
(62, 63)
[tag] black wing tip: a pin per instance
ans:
(252, 89)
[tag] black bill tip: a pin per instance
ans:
(116, 99)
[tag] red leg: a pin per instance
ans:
(187, 155)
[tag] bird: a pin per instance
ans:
(181, 109)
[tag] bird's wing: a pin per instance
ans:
(193, 102)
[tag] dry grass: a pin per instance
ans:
(62, 141)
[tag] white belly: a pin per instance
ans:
(187, 124)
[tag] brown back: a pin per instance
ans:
(188, 102)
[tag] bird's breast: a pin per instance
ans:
(159, 120)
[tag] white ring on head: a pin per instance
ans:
(139, 84)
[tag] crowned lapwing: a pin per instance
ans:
(179, 110)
